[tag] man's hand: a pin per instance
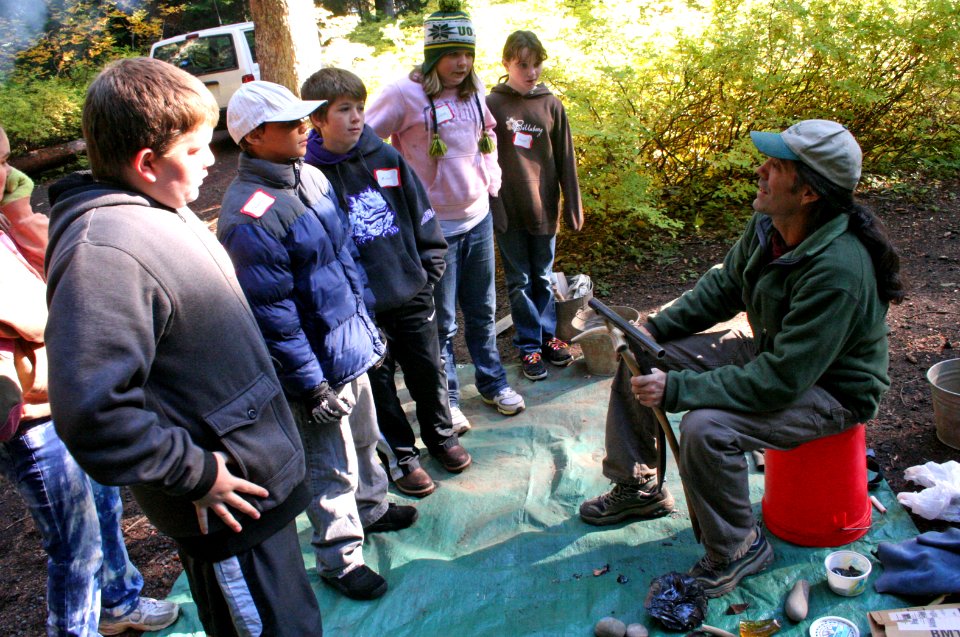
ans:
(226, 492)
(649, 389)
(325, 406)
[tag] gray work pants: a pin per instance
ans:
(347, 482)
(713, 441)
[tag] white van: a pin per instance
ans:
(223, 58)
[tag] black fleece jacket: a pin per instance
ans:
(393, 226)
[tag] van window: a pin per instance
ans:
(200, 56)
(251, 44)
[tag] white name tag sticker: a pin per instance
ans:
(444, 114)
(388, 177)
(258, 203)
(523, 140)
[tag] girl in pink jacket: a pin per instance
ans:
(438, 119)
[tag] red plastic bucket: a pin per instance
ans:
(816, 494)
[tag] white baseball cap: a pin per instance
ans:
(257, 102)
(826, 147)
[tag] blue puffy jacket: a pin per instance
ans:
(291, 246)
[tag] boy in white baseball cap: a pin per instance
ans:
(291, 246)
(258, 103)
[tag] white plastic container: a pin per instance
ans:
(833, 627)
(842, 585)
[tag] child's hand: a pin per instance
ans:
(226, 492)
(326, 406)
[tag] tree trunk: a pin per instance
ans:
(37, 161)
(288, 42)
(385, 9)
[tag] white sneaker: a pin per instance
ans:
(507, 402)
(460, 423)
(150, 614)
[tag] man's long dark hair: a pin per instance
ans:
(867, 227)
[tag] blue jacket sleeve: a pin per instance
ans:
(264, 272)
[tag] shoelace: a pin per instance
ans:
(709, 564)
(619, 493)
(556, 344)
(532, 359)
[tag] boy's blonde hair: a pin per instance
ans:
(520, 40)
(138, 103)
(331, 84)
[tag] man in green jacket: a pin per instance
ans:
(815, 273)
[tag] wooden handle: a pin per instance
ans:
(671, 438)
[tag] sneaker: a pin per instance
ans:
(459, 421)
(361, 583)
(417, 483)
(719, 578)
(150, 614)
(557, 352)
(396, 517)
(624, 502)
(507, 402)
(533, 367)
(454, 459)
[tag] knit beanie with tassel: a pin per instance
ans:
(447, 30)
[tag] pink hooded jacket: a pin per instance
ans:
(458, 184)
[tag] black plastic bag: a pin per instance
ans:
(677, 600)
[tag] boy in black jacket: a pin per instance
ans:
(401, 249)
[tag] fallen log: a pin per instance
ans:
(37, 161)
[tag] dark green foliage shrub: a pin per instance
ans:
(663, 137)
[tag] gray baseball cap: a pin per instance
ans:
(826, 147)
(257, 102)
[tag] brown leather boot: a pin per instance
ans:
(416, 483)
(455, 459)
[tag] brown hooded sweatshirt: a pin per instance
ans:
(536, 156)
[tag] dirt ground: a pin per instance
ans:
(923, 220)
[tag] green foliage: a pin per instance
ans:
(661, 94)
(662, 123)
(42, 112)
(204, 14)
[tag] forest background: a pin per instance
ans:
(660, 93)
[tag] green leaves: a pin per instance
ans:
(662, 128)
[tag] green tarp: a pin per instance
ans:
(500, 550)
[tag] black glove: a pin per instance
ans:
(325, 405)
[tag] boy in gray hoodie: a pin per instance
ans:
(159, 378)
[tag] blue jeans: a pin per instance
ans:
(79, 520)
(469, 279)
(528, 269)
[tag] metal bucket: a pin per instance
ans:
(597, 350)
(944, 380)
(566, 311)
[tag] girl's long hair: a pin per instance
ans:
(432, 85)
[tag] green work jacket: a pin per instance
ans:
(816, 318)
